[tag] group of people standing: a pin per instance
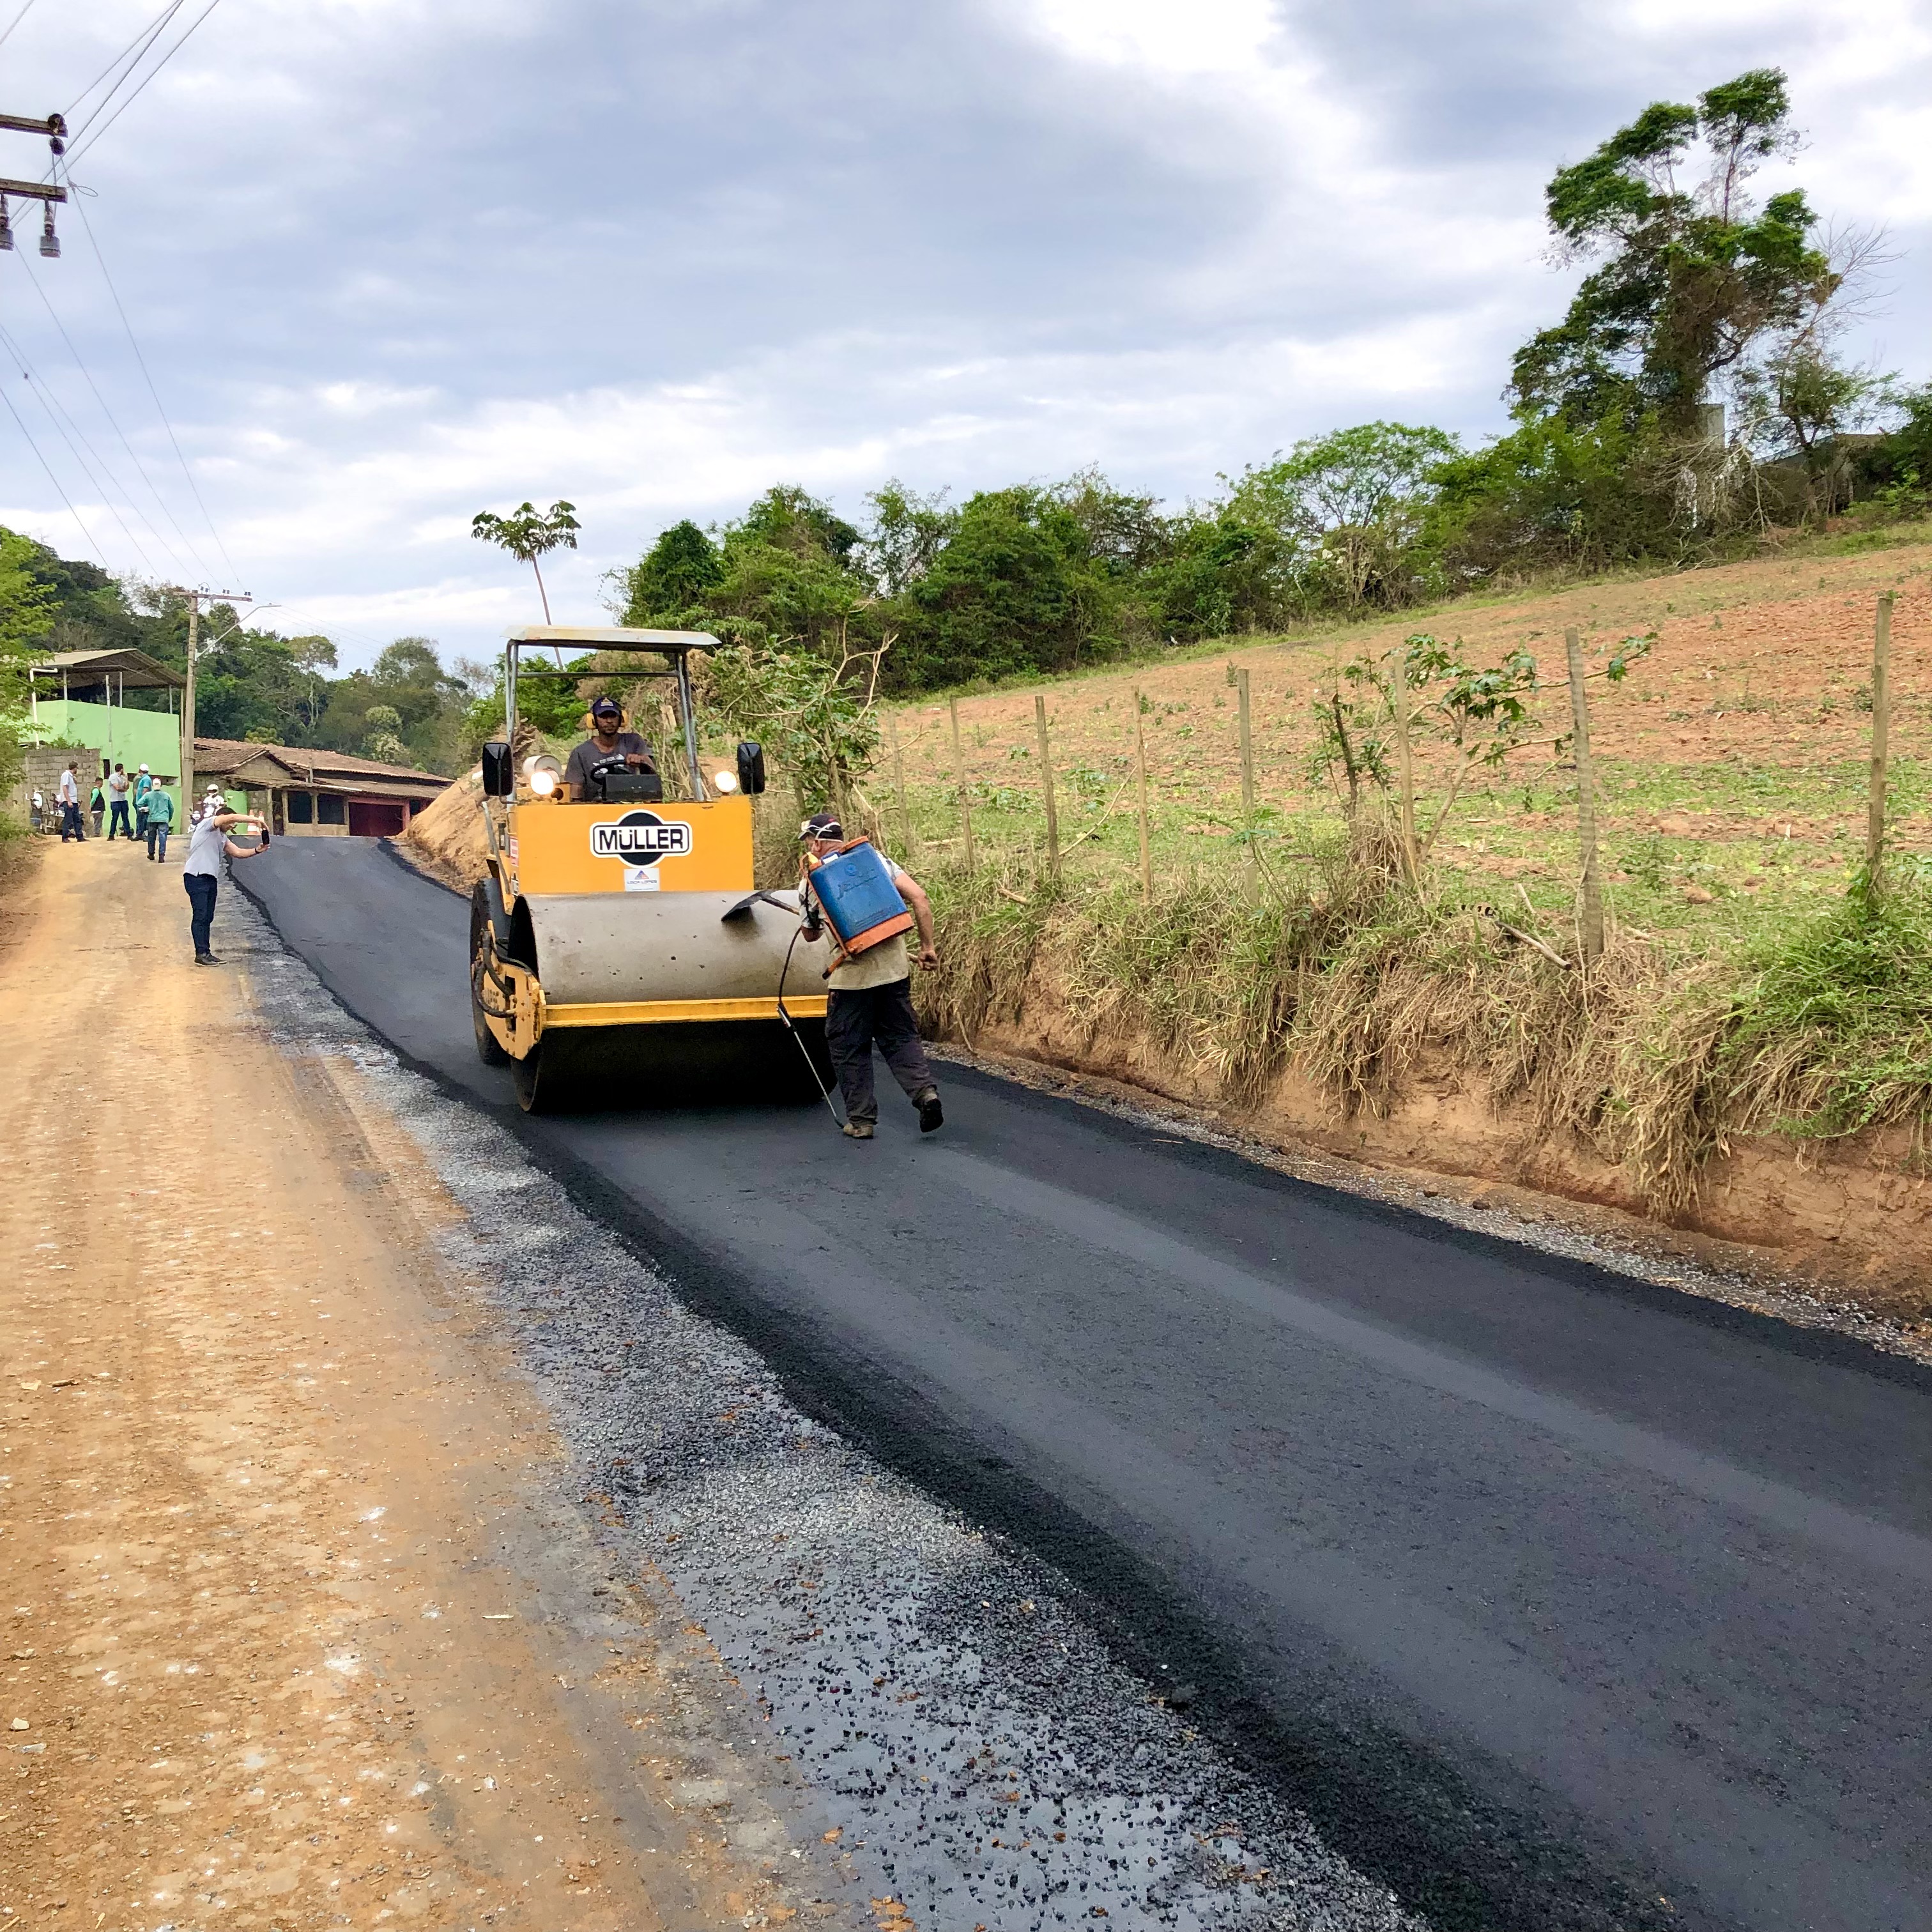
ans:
(140, 805)
(137, 808)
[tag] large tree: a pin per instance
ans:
(1342, 511)
(1692, 271)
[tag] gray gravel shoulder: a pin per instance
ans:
(986, 1766)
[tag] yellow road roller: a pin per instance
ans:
(620, 956)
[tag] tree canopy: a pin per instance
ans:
(1693, 273)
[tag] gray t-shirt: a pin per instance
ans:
(206, 841)
(577, 771)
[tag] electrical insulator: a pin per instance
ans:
(6, 227)
(50, 241)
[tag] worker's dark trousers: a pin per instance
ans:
(117, 819)
(202, 887)
(70, 825)
(855, 1023)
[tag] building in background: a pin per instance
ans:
(77, 703)
(306, 792)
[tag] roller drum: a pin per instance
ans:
(594, 948)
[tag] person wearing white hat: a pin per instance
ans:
(161, 816)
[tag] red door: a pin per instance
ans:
(376, 817)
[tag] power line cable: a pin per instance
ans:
(201, 567)
(86, 536)
(80, 205)
(133, 50)
(129, 102)
(47, 403)
(15, 21)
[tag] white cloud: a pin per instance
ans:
(394, 261)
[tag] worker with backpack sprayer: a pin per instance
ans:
(870, 1001)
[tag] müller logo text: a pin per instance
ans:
(640, 838)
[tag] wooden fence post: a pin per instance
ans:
(1140, 774)
(1412, 861)
(898, 780)
(1586, 800)
(1046, 785)
(1881, 735)
(959, 764)
(1247, 775)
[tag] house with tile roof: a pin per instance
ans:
(307, 793)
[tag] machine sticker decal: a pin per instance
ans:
(640, 838)
(642, 879)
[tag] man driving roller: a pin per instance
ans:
(608, 739)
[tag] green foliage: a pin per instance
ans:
(815, 717)
(26, 604)
(254, 685)
(1833, 1033)
(671, 580)
(527, 532)
(908, 531)
(1690, 278)
(1346, 513)
(1018, 588)
(1554, 494)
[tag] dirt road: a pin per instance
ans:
(303, 1624)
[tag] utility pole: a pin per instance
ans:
(192, 599)
(54, 128)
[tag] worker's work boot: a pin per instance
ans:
(859, 1130)
(931, 1114)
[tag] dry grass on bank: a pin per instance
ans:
(1653, 1058)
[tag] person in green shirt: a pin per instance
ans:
(144, 783)
(161, 816)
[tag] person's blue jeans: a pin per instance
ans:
(118, 820)
(202, 887)
(157, 838)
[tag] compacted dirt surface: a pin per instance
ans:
(1544, 1596)
(304, 1620)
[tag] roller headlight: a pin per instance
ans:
(542, 783)
(544, 775)
(725, 781)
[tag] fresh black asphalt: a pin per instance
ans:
(1554, 1599)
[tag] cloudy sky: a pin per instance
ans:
(391, 261)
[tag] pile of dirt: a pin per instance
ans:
(446, 839)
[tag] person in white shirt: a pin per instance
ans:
(869, 1000)
(201, 873)
(70, 803)
(119, 784)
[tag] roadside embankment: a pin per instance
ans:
(1778, 1107)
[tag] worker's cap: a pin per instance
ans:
(822, 825)
(607, 707)
(144, 768)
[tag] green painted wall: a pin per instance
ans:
(133, 738)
